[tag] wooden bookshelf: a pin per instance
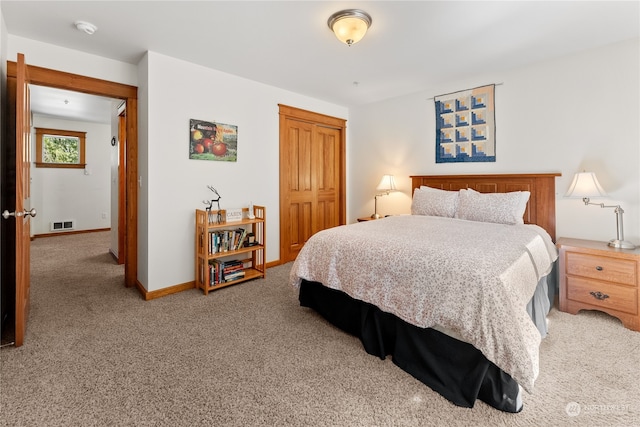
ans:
(218, 247)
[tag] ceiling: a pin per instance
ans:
(69, 105)
(410, 46)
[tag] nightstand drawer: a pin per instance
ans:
(606, 295)
(616, 270)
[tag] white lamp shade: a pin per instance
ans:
(585, 184)
(349, 25)
(350, 30)
(387, 183)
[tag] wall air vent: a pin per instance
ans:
(64, 225)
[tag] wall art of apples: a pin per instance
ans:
(213, 141)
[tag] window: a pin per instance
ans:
(60, 148)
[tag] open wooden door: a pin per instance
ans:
(18, 93)
(15, 161)
(57, 79)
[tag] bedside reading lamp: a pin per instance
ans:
(387, 184)
(585, 185)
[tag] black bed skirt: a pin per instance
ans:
(455, 369)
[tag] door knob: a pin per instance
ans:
(6, 214)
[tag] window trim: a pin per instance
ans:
(40, 132)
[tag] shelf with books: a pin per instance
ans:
(229, 252)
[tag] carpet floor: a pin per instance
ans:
(97, 354)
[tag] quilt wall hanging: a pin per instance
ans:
(466, 126)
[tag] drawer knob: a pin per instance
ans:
(599, 295)
(599, 268)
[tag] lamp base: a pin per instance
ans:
(621, 244)
(375, 216)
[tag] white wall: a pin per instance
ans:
(170, 93)
(114, 163)
(177, 91)
(82, 195)
(143, 172)
(71, 61)
(566, 115)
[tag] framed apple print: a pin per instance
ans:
(213, 141)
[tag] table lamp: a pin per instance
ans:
(387, 184)
(585, 185)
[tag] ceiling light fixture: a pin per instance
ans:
(86, 27)
(350, 25)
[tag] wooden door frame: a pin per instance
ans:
(61, 80)
(287, 112)
(122, 180)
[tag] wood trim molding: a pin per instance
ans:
(312, 117)
(131, 211)
(75, 82)
(60, 165)
(181, 287)
(147, 296)
(164, 291)
(66, 233)
(274, 263)
(68, 81)
(122, 185)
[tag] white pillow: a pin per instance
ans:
(434, 202)
(425, 187)
(501, 208)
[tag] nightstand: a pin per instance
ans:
(595, 276)
(366, 218)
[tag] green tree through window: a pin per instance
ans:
(61, 149)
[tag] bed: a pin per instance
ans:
(456, 293)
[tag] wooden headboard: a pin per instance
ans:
(541, 208)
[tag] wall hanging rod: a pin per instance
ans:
(495, 84)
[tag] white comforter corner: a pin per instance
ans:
(471, 278)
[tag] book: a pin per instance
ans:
(242, 238)
(225, 271)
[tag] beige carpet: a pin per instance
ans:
(96, 354)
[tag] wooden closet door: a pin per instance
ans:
(311, 178)
(327, 167)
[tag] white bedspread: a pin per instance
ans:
(471, 278)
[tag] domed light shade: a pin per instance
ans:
(349, 25)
